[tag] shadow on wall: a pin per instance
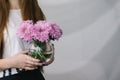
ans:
(111, 2)
(74, 15)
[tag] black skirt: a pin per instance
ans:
(25, 75)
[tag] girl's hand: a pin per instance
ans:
(23, 61)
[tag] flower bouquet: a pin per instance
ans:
(39, 34)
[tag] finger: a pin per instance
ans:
(29, 68)
(33, 63)
(32, 66)
(48, 62)
(25, 52)
(34, 60)
(29, 58)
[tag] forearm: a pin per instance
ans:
(5, 64)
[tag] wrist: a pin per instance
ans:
(10, 63)
(6, 63)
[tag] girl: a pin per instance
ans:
(15, 64)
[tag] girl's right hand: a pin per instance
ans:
(24, 61)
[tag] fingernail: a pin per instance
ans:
(38, 60)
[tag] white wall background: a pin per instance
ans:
(90, 46)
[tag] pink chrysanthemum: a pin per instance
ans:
(55, 32)
(40, 31)
(24, 31)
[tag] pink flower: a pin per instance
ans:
(55, 32)
(40, 31)
(24, 31)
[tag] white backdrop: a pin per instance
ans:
(90, 46)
